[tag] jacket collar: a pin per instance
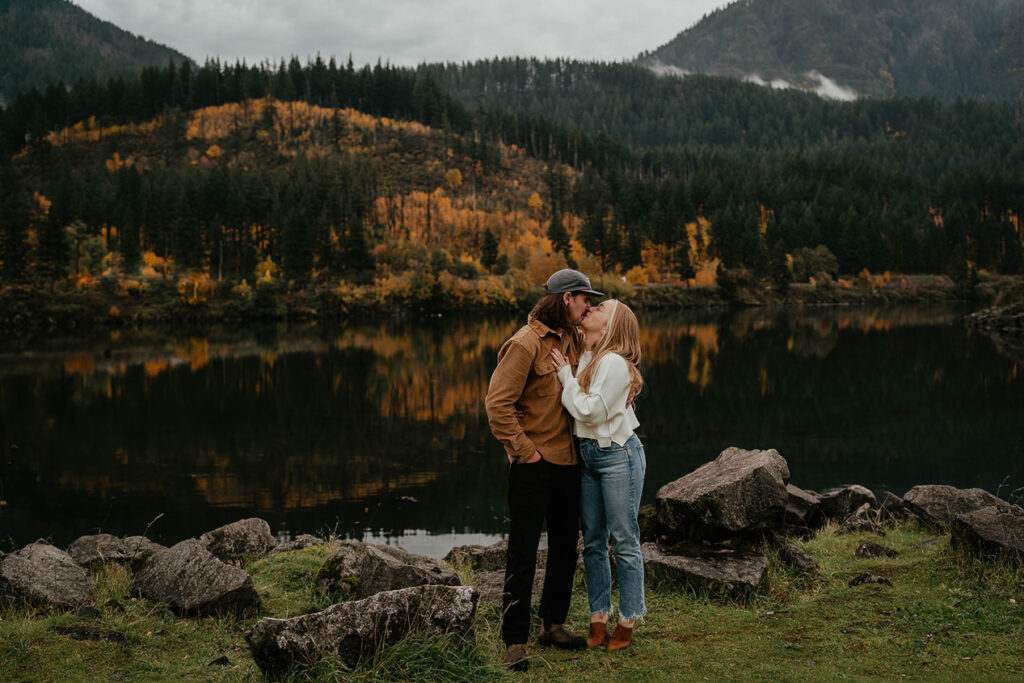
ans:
(542, 330)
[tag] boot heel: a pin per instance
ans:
(598, 634)
(621, 638)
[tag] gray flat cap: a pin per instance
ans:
(569, 280)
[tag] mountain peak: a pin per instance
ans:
(46, 41)
(873, 48)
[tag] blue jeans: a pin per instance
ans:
(611, 482)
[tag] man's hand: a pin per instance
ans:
(534, 458)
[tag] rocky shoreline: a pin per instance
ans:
(714, 531)
(1006, 314)
(39, 310)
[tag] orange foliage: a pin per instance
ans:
(91, 131)
(542, 263)
(115, 162)
(637, 275)
(43, 202)
(195, 288)
(152, 265)
(706, 274)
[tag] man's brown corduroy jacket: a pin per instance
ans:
(524, 379)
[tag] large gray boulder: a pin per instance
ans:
(841, 504)
(41, 574)
(350, 631)
(192, 581)
(935, 503)
(386, 568)
(724, 573)
(241, 540)
(996, 531)
(738, 491)
(478, 557)
(106, 549)
(360, 570)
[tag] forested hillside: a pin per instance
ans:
(637, 107)
(325, 178)
(46, 41)
(879, 48)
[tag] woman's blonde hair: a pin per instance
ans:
(621, 336)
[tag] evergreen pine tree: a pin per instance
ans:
(15, 215)
(355, 253)
(131, 250)
(681, 258)
(489, 250)
(53, 250)
(558, 235)
(778, 269)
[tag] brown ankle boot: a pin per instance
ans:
(621, 638)
(515, 658)
(598, 634)
(559, 636)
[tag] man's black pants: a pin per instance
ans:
(536, 493)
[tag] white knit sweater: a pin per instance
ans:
(600, 413)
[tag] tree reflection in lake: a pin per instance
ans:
(379, 428)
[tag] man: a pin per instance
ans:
(525, 413)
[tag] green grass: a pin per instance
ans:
(946, 617)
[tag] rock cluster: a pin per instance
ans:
(731, 505)
(702, 534)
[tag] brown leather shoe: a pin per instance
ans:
(561, 637)
(515, 657)
(621, 638)
(598, 633)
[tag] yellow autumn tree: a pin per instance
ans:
(535, 203)
(453, 179)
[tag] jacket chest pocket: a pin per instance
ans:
(546, 380)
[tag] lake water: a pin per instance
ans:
(377, 430)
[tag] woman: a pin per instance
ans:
(613, 464)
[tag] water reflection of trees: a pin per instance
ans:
(381, 425)
(846, 396)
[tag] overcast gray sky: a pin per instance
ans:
(403, 31)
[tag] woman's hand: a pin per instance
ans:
(557, 359)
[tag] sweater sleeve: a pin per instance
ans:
(609, 387)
